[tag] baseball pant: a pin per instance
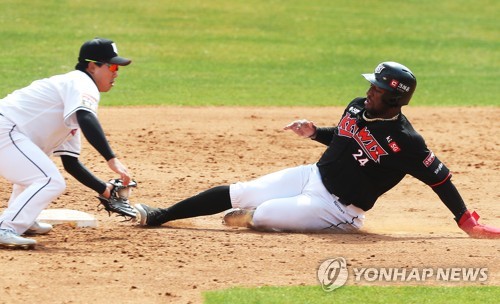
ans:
(295, 199)
(35, 178)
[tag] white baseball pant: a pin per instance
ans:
(295, 199)
(35, 178)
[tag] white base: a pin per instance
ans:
(67, 216)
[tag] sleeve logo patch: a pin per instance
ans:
(89, 102)
(429, 159)
(354, 110)
(394, 147)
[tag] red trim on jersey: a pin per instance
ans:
(441, 182)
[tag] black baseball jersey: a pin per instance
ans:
(365, 159)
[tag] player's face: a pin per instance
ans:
(103, 76)
(374, 104)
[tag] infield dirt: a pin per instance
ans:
(175, 152)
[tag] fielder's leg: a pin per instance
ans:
(33, 170)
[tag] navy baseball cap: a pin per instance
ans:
(103, 50)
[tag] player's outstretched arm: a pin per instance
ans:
(303, 127)
(469, 223)
(466, 220)
(308, 129)
(93, 132)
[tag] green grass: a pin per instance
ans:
(355, 294)
(260, 52)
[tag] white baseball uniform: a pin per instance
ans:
(36, 122)
(295, 199)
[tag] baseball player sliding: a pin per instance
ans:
(369, 152)
(46, 118)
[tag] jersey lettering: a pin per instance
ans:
(348, 128)
(440, 166)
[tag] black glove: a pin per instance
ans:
(118, 200)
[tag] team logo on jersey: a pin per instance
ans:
(348, 128)
(393, 145)
(429, 159)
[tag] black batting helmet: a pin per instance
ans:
(398, 81)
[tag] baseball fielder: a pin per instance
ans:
(44, 119)
(369, 152)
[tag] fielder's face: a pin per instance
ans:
(103, 76)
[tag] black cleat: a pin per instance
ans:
(149, 216)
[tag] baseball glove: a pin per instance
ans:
(118, 200)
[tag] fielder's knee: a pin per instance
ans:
(55, 185)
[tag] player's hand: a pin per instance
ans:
(468, 223)
(304, 128)
(116, 165)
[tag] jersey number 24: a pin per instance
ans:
(359, 157)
